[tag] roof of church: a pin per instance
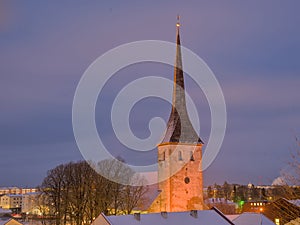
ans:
(179, 127)
(201, 217)
(250, 218)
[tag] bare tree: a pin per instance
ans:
(53, 188)
(80, 177)
(132, 195)
(291, 175)
(76, 193)
(226, 190)
(42, 205)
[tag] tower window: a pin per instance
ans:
(187, 180)
(180, 156)
(192, 156)
(162, 156)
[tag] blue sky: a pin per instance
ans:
(252, 47)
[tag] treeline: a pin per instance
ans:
(74, 193)
(237, 193)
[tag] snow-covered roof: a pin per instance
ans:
(294, 222)
(232, 217)
(6, 188)
(252, 219)
(4, 221)
(13, 195)
(4, 211)
(218, 201)
(295, 202)
(204, 217)
(32, 193)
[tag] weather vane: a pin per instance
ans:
(178, 23)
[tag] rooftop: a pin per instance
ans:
(248, 218)
(203, 217)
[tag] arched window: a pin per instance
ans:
(162, 156)
(192, 156)
(179, 155)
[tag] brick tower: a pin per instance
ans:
(179, 154)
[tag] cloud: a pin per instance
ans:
(279, 181)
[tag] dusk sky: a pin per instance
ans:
(253, 48)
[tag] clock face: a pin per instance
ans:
(186, 180)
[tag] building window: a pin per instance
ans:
(180, 156)
(187, 180)
(277, 221)
(162, 156)
(192, 156)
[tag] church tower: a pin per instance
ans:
(179, 153)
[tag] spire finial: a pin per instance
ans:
(178, 23)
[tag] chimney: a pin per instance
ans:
(164, 214)
(194, 213)
(137, 216)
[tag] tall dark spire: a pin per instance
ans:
(179, 127)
